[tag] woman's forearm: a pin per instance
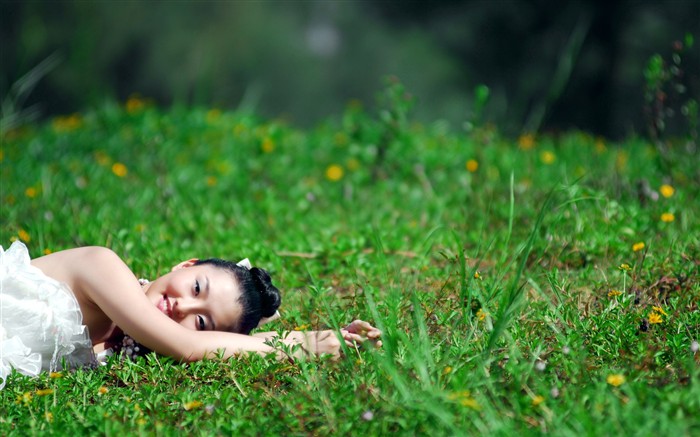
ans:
(210, 344)
(298, 336)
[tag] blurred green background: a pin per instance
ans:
(548, 65)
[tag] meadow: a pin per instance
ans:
(546, 284)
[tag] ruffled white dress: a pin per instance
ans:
(41, 325)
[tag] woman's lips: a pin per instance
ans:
(164, 306)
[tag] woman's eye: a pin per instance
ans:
(200, 322)
(196, 288)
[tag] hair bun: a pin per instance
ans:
(271, 298)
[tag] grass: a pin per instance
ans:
(499, 288)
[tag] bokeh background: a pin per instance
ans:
(548, 66)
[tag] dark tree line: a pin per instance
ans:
(548, 65)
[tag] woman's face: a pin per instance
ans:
(201, 297)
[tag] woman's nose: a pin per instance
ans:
(184, 306)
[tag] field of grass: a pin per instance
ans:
(544, 284)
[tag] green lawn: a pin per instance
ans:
(544, 284)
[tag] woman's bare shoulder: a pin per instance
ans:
(70, 265)
(74, 253)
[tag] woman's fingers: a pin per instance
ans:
(374, 333)
(363, 328)
(362, 333)
(352, 339)
(358, 327)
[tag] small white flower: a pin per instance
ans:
(565, 350)
(540, 365)
(367, 415)
(694, 346)
(554, 392)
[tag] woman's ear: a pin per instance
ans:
(188, 263)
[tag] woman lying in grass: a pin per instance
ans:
(202, 308)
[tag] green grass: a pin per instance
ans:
(525, 348)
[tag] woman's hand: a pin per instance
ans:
(326, 342)
(315, 342)
(360, 332)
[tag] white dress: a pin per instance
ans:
(40, 320)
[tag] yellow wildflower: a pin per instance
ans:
(134, 104)
(613, 293)
(223, 167)
(447, 370)
(616, 379)
(465, 399)
(302, 327)
(47, 251)
(477, 275)
(24, 236)
(352, 164)
(102, 158)
(547, 157)
(600, 146)
(213, 115)
(458, 394)
(30, 192)
(659, 310)
(334, 172)
(526, 141)
(655, 318)
(537, 400)
(667, 217)
(625, 267)
(192, 405)
(102, 390)
(67, 123)
(239, 129)
(44, 392)
(481, 314)
(49, 416)
(119, 169)
(636, 247)
(141, 421)
(267, 145)
(667, 190)
(621, 159)
(472, 165)
(471, 403)
(54, 375)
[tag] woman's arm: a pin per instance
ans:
(103, 279)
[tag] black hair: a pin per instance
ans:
(259, 298)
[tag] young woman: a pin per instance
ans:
(79, 304)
